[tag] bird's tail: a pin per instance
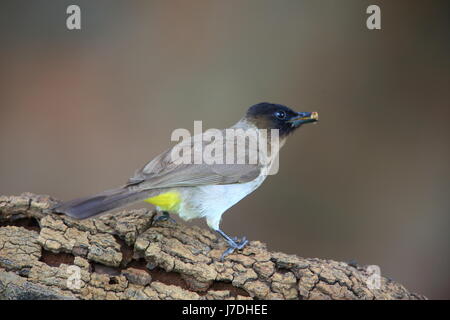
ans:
(95, 205)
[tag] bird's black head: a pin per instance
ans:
(276, 116)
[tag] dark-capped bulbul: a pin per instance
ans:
(195, 190)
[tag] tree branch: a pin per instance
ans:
(123, 256)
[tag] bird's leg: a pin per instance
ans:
(165, 216)
(233, 244)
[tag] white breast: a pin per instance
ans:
(213, 200)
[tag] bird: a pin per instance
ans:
(201, 190)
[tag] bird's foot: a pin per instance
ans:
(165, 216)
(233, 244)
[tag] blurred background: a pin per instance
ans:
(81, 110)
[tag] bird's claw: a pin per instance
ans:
(235, 244)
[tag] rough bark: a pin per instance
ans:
(124, 256)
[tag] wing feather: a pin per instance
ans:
(164, 172)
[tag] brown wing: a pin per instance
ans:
(165, 172)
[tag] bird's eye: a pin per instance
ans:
(280, 115)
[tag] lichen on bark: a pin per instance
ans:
(125, 256)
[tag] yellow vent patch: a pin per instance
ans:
(167, 201)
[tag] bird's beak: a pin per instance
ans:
(304, 117)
